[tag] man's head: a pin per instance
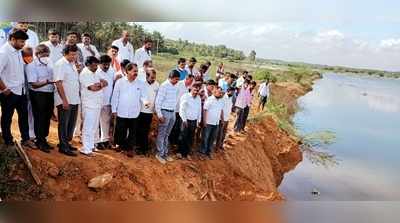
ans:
(70, 53)
(210, 85)
(195, 89)
(230, 91)
(24, 26)
(246, 84)
(113, 51)
(174, 76)
(42, 51)
(86, 39)
(203, 68)
(125, 36)
(54, 36)
(17, 39)
(105, 62)
(217, 92)
(91, 63)
(253, 85)
(123, 64)
(151, 75)
(148, 43)
(131, 71)
(220, 65)
(189, 80)
(192, 62)
(72, 38)
(181, 63)
(147, 63)
(208, 63)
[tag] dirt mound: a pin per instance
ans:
(250, 168)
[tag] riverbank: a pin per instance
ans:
(250, 168)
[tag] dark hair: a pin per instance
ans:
(53, 32)
(233, 76)
(70, 48)
(174, 74)
(151, 70)
(124, 63)
(208, 63)
(91, 60)
(114, 47)
(196, 85)
(231, 89)
(249, 77)
(72, 33)
(203, 67)
(42, 48)
(189, 76)
(18, 34)
(105, 59)
(253, 83)
(86, 35)
(246, 82)
(211, 82)
(147, 62)
(148, 40)
(130, 66)
(181, 60)
(193, 60)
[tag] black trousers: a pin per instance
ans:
(186, 138)
(66, 125)
(10, 103)
(42, 109)
(239, 119)
(175, 132)
(125, 133)
(245, 116)
(144, 124)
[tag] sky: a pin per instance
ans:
(363, 34)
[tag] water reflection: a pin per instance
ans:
(363, 113)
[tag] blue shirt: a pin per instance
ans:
(183, 73)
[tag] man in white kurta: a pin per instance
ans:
(144, 53)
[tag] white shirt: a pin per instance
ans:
(206, 75)
(12, 68)
(33, 40)
(128, 97)
(152, 90)
(190, 108)
(3, 37)
(264, 90)
(194, 71)
(182, 89)
(227, 107)
(38, 72)
(141, 55)
(142, 74)
(167, 97)
(85, 51)
(56, 52)
(239, 82)
(107, 91)
(214, 107)
(124, 52)
(90, 99)
(67, 73)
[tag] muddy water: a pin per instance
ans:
(364, 113)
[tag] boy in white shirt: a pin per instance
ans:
(106, 72)
(128, 96)
(263, 94)
(190, 113)
(223, 125)
(213, 113)
(146, 114)
(92, 100)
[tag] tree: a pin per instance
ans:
(252, 56)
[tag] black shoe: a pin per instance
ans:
(48, 146)
(73, 148)
(44, 149)
(67, 152)
(107, 145)
(10, 143)
(100, 146)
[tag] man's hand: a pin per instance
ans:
(7, 92)
(65, 105)
(161, 119)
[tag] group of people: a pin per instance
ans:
(110, 100)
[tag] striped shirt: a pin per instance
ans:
(167, 98)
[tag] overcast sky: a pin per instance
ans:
(352, 33)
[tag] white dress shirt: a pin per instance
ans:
(90, 99)
(227, 107)
(214, 107)
(167, 97)
(193, 71)
(67, 73)
(3, 37)
(128, 97)
(190, 108)
(142, 74)
(182, 89)
(109, 77)
(152, 90)
(12, 68)
(33, 40)
(85, 51)
(264, 90)
(141, 55)
(38, 72)
(56, 52)
(124, 52)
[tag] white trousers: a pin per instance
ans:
(105, 123)
(91, 118)
(78, 125)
